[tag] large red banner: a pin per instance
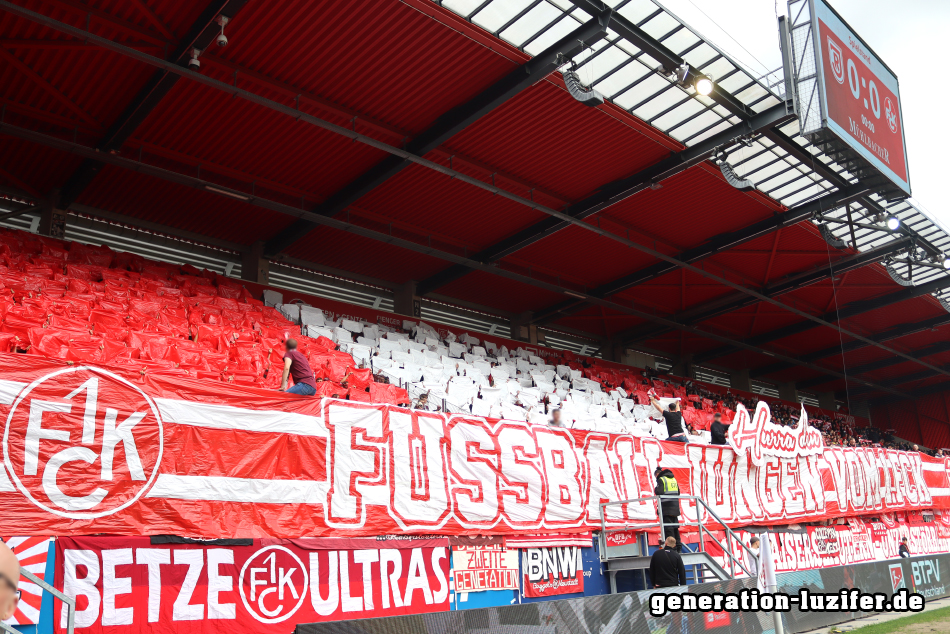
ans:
(87, 451)
(129, 585)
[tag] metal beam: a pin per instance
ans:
(735, 301)
(711, 247)
(916, 394)
(613, 193)
(910, 378)
(849, 310)
(935, 348)
(425, 249)
(450, 124)
(200, 36)
(895, 332)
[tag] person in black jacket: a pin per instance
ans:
(718, 430)
(670, 509)
(903, 550)
(675, 428)
(666, 566)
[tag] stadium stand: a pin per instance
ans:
(86, 304)
(505, 234)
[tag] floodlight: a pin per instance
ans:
(893, 223)
(703, 85)
(946, 263)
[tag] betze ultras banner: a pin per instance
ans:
(131, 585)
(88, 451)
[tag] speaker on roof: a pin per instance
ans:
(585, 95)
(897, 277)
(830, 237)
(742, 184)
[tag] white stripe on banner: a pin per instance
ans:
(928, 466)
(8, 393)
(938, 491)
(223, 489)
(213, 416)
(226, 417)
(548, 541)
(9, 390)
(672, 461)
(5, 485)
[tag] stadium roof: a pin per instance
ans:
(433, 143)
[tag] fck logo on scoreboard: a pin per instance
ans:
(82, 442)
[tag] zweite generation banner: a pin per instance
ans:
(132, 585)
(89, 451)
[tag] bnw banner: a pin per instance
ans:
(87, 450)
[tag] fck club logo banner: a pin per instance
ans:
(133, 585)
(86, 451)
(59, 436)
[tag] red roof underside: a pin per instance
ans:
(390, 73)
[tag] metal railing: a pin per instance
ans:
(702, 529)
(69, 601)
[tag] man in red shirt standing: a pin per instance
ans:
(297, 366)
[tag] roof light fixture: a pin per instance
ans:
(892, 223)
(194, 63)
(703, 85)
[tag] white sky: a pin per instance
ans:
(910, 36)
